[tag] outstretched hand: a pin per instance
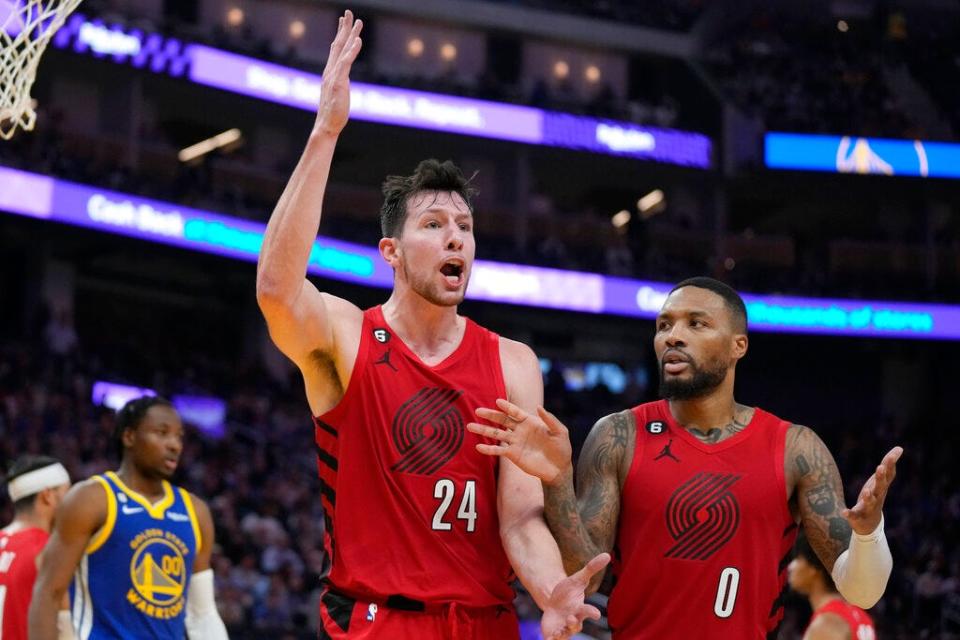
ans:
(539, 444)
(334, 108)
(864, 517)
(566, 610)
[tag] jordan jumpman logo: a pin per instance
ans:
(666, 453)
(385, 359)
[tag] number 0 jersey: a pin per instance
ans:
(410, 505)
(132, 580)
(705, 533)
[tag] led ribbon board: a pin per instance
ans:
(876, 156)
(41, 197)
(386, 105)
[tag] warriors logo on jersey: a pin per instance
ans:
(158, 573)
(132, 580)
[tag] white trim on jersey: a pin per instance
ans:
(82, 605)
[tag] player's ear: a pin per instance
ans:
(740, 344)
(128, 437)
(390, 250)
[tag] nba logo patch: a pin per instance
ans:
(371, 612)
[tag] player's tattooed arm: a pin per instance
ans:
(586, 525)
(811, 469)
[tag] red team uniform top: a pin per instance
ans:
(861, 626)
(410, 505)
(705, 534)
(18, 571)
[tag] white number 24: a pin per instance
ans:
(444, 491)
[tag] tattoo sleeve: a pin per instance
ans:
(585, 523)
(819, 492)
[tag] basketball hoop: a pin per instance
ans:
(26, 27)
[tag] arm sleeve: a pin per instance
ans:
(203, 621)
(861, 572)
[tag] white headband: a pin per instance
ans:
(37, 480)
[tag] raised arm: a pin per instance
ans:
(850, 542)
(82, 512)
(302, 321)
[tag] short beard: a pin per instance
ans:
(700, 384)
(431, 292)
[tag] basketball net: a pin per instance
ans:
(26, 27)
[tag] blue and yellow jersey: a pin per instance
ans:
(132, 580)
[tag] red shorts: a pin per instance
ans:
(343, 618)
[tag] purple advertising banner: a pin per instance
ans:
(386, 105)
(42, 197)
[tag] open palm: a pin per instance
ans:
(334, 108)
(566, 610)
(539, 444)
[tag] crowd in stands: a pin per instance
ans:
(658, 108)
(575, 236)
(259, 479)
(674, 15)
(811, 76)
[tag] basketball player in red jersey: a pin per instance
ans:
(36, 485)
(833, 617)
(699, 495)
(424, 534)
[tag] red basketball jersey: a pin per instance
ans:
(410, 505)
(705, 533)
(861, 626)
(18, 571)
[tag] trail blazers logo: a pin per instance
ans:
(427, 431)
(702, 516)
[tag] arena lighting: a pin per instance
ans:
(204, 147)
(235, 16)
(44, 198)
(592, 74)
(115, 395)
(297, 29)
(876, 156)
(842, 26)
(561, 69)
(401, 107)
(651, 204)
(415, 47)
(448, 52)
(620, 219)
(207, 413)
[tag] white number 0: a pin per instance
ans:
(727, 592)
(444, 491)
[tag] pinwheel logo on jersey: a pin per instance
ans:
(428, 430)
(702, 516)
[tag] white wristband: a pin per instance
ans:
(861, 572)
(65, 625)
(203, 621)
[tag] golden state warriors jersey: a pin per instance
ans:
(132, 580)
